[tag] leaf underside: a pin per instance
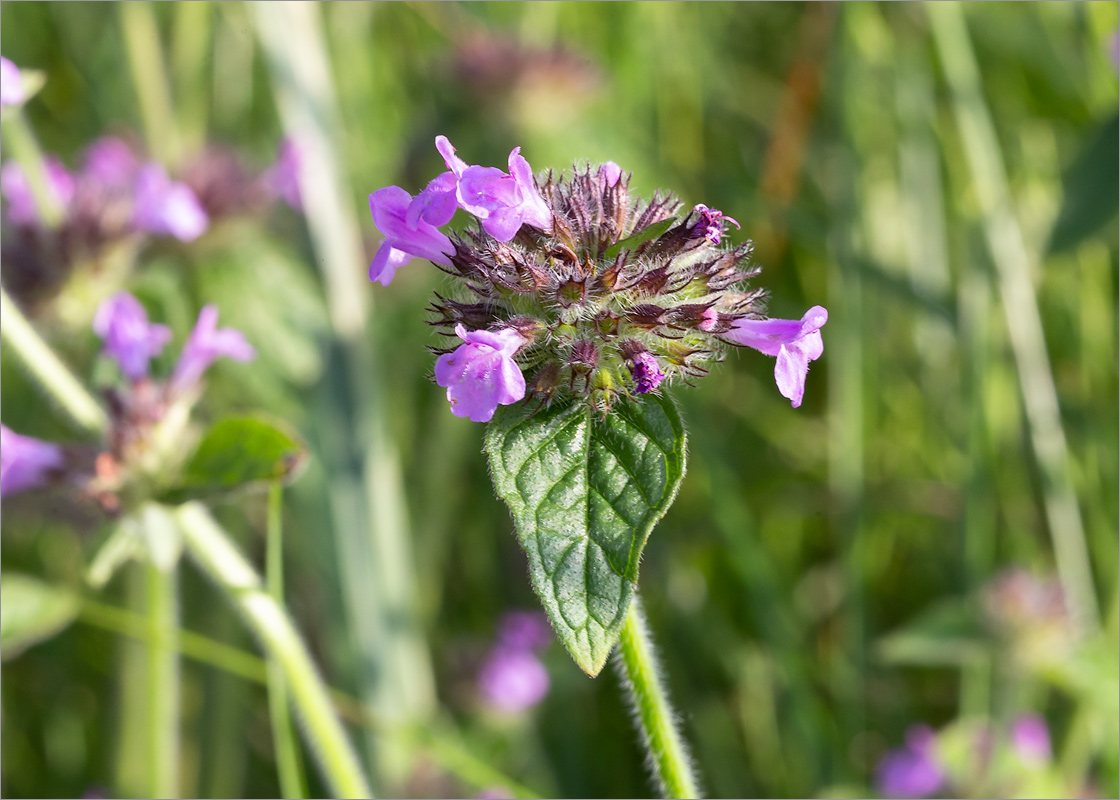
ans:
(585, 492)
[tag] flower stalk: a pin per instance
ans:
(654, 716)
(211, 548)
(21, 144)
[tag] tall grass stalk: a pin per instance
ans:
(149, 74)
(24, 148)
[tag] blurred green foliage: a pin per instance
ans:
(801, 538)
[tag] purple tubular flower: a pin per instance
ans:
(390, 208)
(794, 342)
(913, 770)
(282, 178)
(524, 630)
(11, 83)
(513, 680)
(204, 346)
(17, 191)
(646, 372)
(711, 223)
(481, 374)
(437, 203)
(110, 162)
(26, 463)
(164, 206)
(1031, 739)
(122, 323)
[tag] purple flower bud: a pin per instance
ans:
(26, 463)
(524, 630)
(513, 680)
(206, 344)
(794, 342)
(122, 323)
(1031, 739)
(610, 173)
(17, 191)
(11, 83)
(913, 770)
(282, 178)
(164, 206)
(481, 374)
(110, 162)
(389, 207)
(710, 224)
(646, 372)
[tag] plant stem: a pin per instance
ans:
(145, 57)
(25, 150)
(46, 367)
(289, 766)
(211, 548)
(162, 682)
(656, 721)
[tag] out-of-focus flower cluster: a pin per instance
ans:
(512, 678)
(570, 286)
(148, 417)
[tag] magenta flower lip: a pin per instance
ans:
(481, 374)
(390, 210)
(794, 342)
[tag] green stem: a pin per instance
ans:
(145, 57)
(218, 557)
(162, 682)
(25, 150)
(656, 720)
(289, 765)
(41, 362)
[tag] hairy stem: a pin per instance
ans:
(46, 367)
(289, 766)
(668, 756)
(212, 549)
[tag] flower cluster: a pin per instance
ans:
(512, 678)
(145, 414)
(570, 286)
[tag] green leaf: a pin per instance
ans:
(585, 492)
(1089, 189)
(31, 612)
(646, 234)
(240, 451)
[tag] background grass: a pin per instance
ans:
(801, 538)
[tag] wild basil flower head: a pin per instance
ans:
(592, 292)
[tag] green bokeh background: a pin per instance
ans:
(801, 538)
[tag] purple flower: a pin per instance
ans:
(1031, 739)
(282, 178)
(164, 206)
(26, 463)
(513, 680)
(17, 191)
(11, 83)
(524, 630)
(913, 770)
(437, 202)
(504, 202)
(205, 345)
(110, 162)
(403, 241)
(481, 374)
(794, 342)
(129, 338)
(646, 372)
(710, 224)
(610, 173)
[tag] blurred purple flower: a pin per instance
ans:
(711, 222)
(1031, 739)
(794, 342)
(110, 162)
(205, 345)
(513, 680)
(481, 374)
(913, 770)
(122, 323)
(26, 463)
(11, 83)
(524, 630)
(282, 178)
(646, 372)
(504, 202)
(164, 206)
(389, 207)
(17, 191)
